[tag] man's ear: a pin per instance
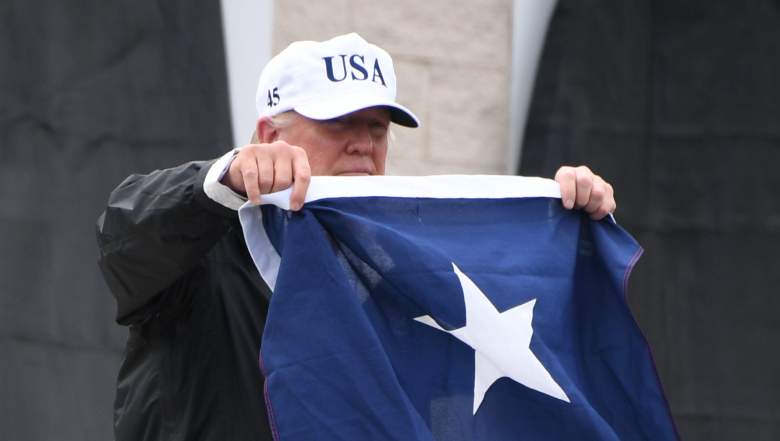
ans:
(265, 131)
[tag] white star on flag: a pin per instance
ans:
(501, 343)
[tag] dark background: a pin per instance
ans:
(675, 102)
(90, 91)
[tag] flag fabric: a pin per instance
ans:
(449, 308)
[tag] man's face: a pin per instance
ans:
(354, 144)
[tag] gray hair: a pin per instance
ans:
(279, 121)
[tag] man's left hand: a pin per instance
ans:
(581, 188)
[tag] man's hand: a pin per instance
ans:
(260, 169)
(581, 188)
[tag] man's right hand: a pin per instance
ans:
(260, 169)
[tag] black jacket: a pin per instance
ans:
(195, 305)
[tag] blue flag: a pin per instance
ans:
(449, 308)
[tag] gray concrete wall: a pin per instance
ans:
(453, 62)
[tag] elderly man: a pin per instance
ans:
(173, 254)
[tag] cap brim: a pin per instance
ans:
(329, 108)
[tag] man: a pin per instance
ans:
(173, 253)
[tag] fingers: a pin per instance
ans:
(584, 186)
(581, 188)
(260, 169)
(249, 176)
(265, 174)
(301, 178)
(607, 206)
(597, 194)
(567, 179)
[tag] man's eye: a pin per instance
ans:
(378, 130)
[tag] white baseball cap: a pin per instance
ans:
(329, 79)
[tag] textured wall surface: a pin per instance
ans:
(453, 68)
(677, 103)
(88, 95)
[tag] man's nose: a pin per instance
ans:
(361, 141)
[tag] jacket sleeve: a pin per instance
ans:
(155, 228)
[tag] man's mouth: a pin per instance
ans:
(357, 171)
